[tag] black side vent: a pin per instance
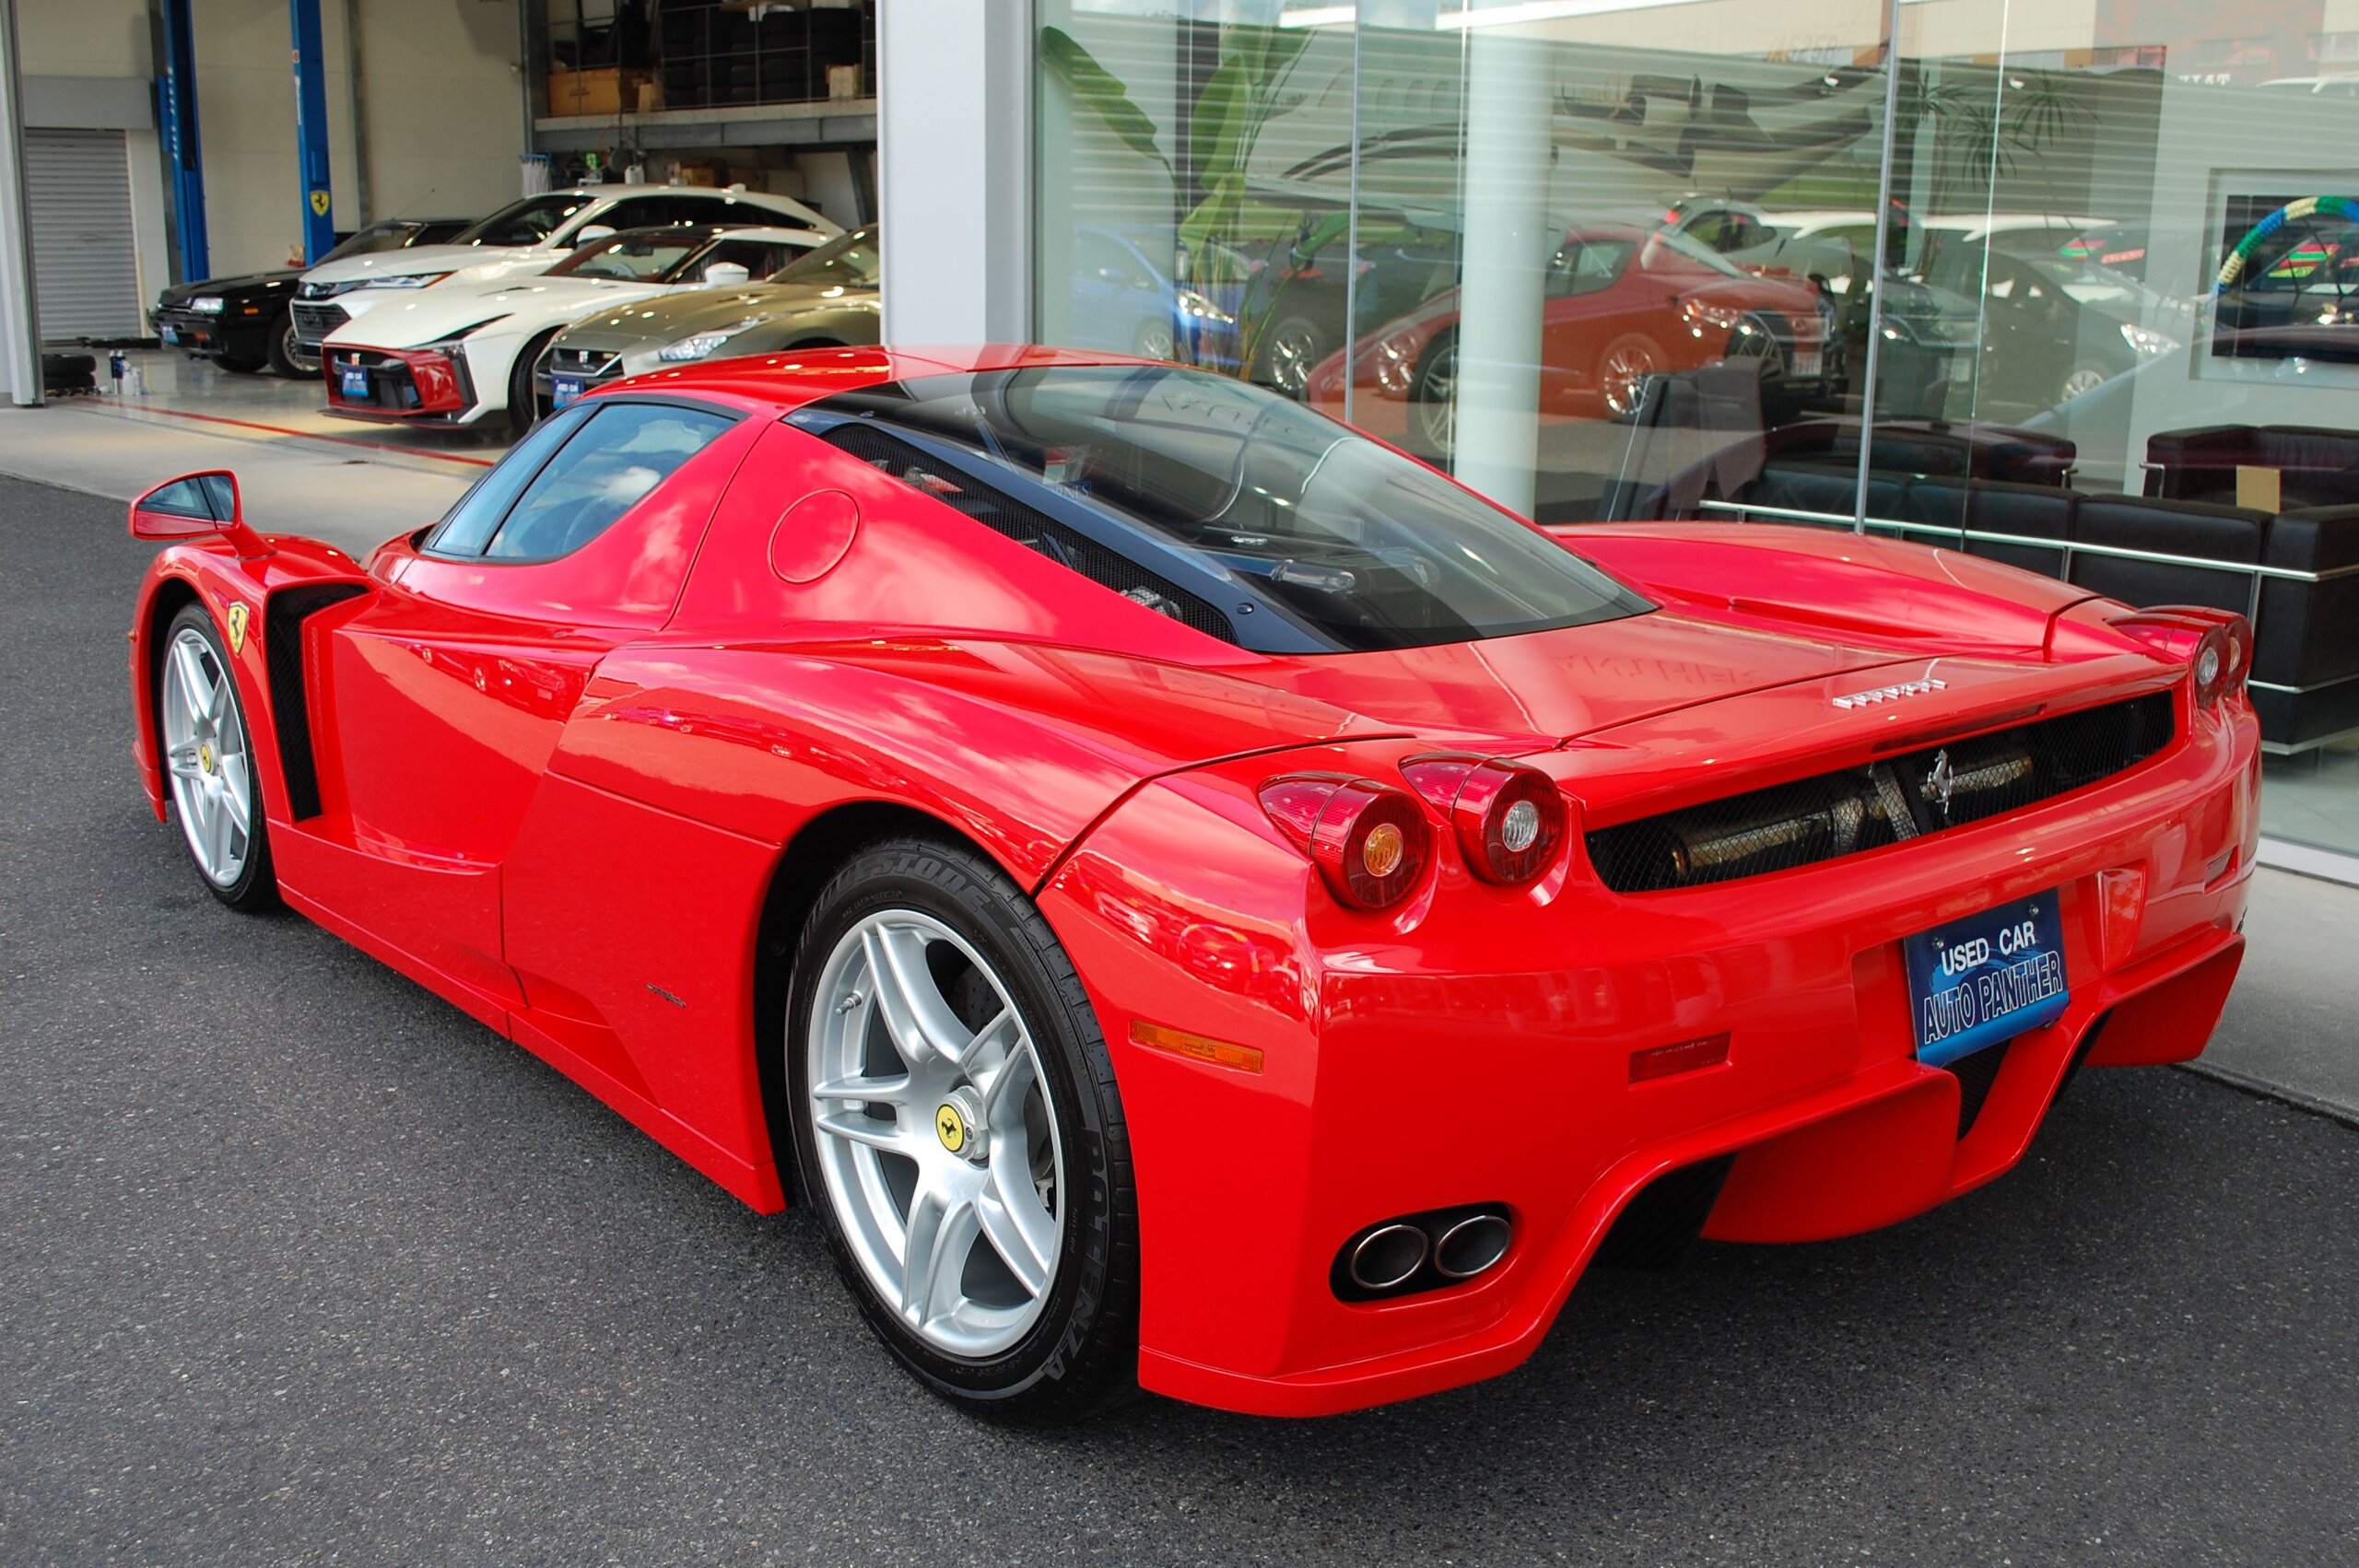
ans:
(1974, 1075)
(283, 620)
(1906, 796)
(1029, 527)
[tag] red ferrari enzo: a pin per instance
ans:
(1189, 896)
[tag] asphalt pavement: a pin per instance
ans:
(298, 1265)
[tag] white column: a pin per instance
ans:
(954, 138)
(19, 317)
(1505, 260)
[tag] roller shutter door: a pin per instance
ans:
(78, 197)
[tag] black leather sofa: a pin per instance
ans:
(2305, 662)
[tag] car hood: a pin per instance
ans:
(1539, 689)
(423, 259)
(180, 293)
(708, 310)
(524, 304)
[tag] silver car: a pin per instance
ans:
(825, 300)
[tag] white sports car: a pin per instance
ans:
(463, 354)
(524, 237)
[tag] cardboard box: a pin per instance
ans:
(605, 91)
(843, 81)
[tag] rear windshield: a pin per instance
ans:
(1237, 496)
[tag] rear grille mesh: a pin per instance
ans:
(1832, 815)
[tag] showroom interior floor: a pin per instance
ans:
(299, 471)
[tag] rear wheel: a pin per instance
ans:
(208, 762)
(1622, 371)
(242, 364)
(957, 1130)
(1433, 398)
(287, 355)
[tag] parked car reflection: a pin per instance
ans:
(1621, 304)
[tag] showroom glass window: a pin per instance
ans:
(2100, 305)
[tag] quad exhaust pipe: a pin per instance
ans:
(1422, 1252)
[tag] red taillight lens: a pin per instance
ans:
(1508, 818)
(1369, 841)
(2215, 644)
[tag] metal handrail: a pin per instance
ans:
(2067, 547)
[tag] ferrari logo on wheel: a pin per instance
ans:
(237, 628)
(952, 1128)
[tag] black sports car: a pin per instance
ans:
(241, 324)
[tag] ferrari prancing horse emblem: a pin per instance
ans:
(237, 628)
(951, 1127)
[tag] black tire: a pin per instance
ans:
(523, 396)
(242, 365)
(1081, 1355)
(256, 887)
(288, 357)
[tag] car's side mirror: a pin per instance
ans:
(593, 232)
(194, 507)
(728, 274)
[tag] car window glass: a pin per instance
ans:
(758, 257)
(527, 222)
(611, 463)
(1584, 267)
(634, 257)
(468, 524)
(389, 235)
(1359, 545)
(849, 260)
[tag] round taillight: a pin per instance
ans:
(1509, 817)
(2222, 659)
(1368, 840)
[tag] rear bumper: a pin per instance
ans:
(1479, 1054)
(209, 336)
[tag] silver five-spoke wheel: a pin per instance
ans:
(934, 1133)
(206, 757)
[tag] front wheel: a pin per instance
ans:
(287, 355)
(523, 393)
(957, 1128)
(208, 762)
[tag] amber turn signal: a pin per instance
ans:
(1368, 840)
(1195, 1047)
(1509, 817)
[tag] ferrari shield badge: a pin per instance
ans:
(237, 628)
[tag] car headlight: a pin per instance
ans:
(1699, 314)
(1191, 303)
(407, 280)
(206, 304)
(2147, 343)
(696, 346)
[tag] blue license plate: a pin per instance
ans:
(355, 379)
(564, 390)
(1985, 978)
(167, 334)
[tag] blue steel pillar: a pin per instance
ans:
(311, 128)
(176, 89)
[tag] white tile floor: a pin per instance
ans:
(299, 471)
(2313, 798)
